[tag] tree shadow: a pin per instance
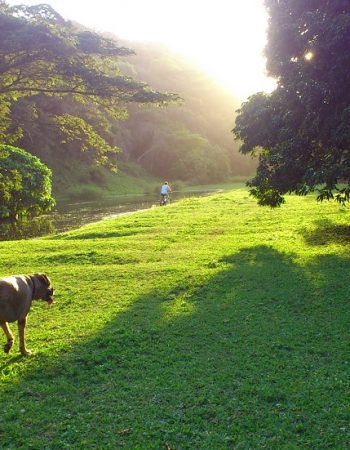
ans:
(245, 360)
(25, 228)
(97, 235)
(327, 232)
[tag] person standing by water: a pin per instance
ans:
(164, 193)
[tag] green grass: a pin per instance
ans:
(208, 324)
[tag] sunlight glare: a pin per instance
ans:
(308, 56)
(226, 38)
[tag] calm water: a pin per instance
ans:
(74, 215)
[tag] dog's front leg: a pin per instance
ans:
(9, 335)
(22, 344)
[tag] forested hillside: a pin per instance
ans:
(86, 105)
(191, 141)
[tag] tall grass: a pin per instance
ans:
(208, 324)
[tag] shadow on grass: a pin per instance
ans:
(255, 358)
(99, 235)
(327, 232)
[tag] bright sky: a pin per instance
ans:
(226, 38)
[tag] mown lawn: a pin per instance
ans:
(208, 324)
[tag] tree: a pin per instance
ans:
(25, 184)
(301, 131)
(42, 54)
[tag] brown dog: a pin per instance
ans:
(16, 295)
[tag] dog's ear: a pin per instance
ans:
(44, 278)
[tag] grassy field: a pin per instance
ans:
(208, 324)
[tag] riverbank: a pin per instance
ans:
(212, 323)
(69, 215)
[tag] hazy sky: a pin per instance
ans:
(224, 37)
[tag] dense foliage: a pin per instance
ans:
(301, 130)
(43, 55)
(25, 184)
(73, 101)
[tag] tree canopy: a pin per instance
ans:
(301, 131)
(42, 54)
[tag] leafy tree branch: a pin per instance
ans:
(42, 54)
(301, 130)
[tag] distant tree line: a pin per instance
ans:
(190, 141)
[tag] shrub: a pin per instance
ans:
(25, 184)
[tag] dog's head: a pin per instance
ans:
(43, 287)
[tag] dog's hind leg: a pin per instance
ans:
(22, 344)
(9, 335)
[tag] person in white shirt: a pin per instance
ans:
(164, 193)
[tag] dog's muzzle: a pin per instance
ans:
(49, 295)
